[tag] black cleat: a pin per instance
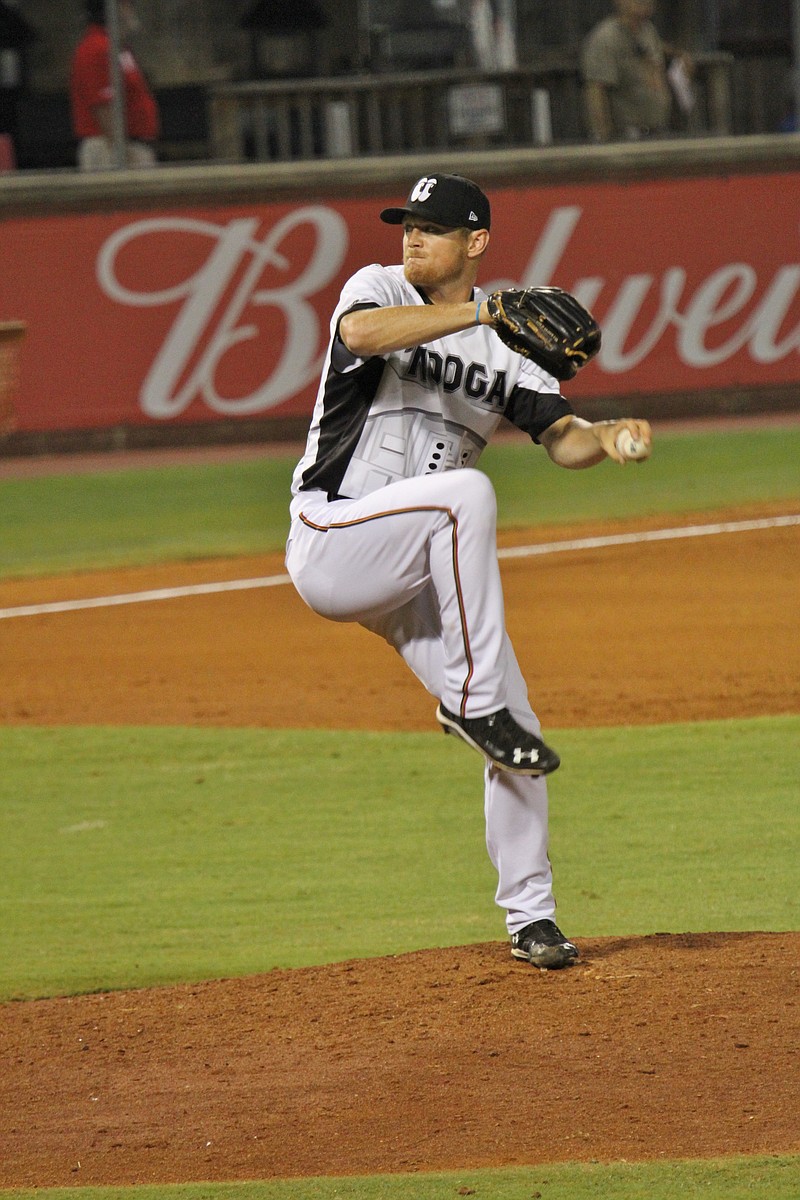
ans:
(543, 945)
(501, 739)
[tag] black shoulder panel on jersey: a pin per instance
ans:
(533, 412)
(341, 358)
(346, 406)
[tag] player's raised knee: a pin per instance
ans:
(475, 493)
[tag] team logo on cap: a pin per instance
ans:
(423, 188)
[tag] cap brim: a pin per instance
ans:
(393, 216)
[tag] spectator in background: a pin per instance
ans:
(91, 94)
(624, 67)
(493, 35)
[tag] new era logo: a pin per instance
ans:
(473, 216)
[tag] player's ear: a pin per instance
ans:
(477, 242)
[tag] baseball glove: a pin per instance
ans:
(547, 325)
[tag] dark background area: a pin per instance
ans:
(187, 46)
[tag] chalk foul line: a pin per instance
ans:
(267, 581)
(651, 535)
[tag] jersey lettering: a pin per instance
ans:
(417, 368)
(452, 376)
(435, 367)
(475, 385)
(453, 373)
(497, 392)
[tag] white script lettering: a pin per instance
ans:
(163, 395)
(721, 297)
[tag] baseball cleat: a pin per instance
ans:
(543, 945)
(502, 740)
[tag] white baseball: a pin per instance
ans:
(630, 448)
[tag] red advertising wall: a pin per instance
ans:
(192, 315)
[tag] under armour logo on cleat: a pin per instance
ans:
(519, 754)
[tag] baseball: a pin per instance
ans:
(630, 448)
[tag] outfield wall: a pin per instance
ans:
(192, 303)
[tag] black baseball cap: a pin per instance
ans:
(448, 200)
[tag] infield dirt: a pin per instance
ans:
(679, 1045)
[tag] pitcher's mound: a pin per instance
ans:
(673, 1045)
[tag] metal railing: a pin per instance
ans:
(351, 116)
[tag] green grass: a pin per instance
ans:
(686, 473)
(128, 517)
(773, 1178)
(139, 856)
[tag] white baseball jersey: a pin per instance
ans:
(418, 411)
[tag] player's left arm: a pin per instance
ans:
(575, 443)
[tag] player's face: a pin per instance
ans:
(433, 255)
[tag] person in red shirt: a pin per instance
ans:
(91, 95)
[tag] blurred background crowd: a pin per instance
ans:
(496, 72)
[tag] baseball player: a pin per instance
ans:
(393, 527)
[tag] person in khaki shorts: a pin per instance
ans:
(92, 97)
(623, 63)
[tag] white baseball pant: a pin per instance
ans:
(416, 562)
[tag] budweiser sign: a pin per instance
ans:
(214, 299)
(194, 316)
(758, 314)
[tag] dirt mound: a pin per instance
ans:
(668, 1045)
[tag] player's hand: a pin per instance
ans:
(627, 440)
